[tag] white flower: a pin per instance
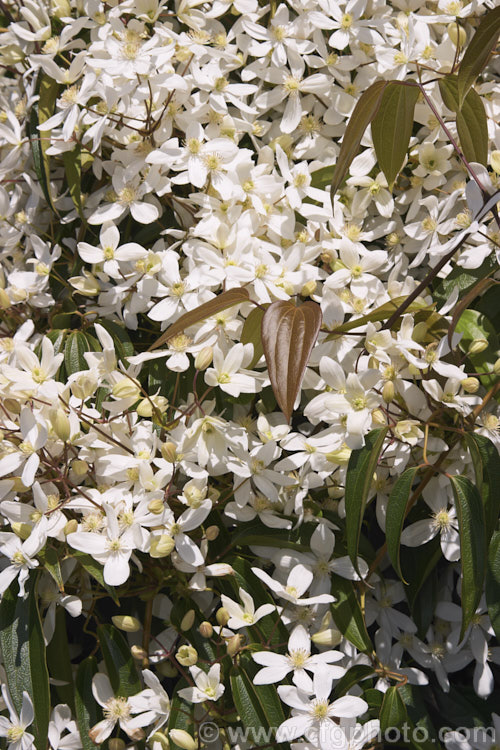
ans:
(227, 371)
(14, 728)
(207, 685)
(242, 617)
(115, 709)
(298, 581)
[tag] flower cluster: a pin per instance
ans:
(156, 156)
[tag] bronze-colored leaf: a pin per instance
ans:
(288, 336)
(477, 53)
(212, 307)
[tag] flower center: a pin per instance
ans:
(298, 658)
(320, 710)
(117, 708)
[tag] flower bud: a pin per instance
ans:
(378, 416)
(188, 620)
(478, 346)
(156, 506)
(162, 546)
(457, 34)
(308, 288)
(161, 739)
(187, 656)
(71, 527)
(222, 616)
(496, 367)
(145, 408)
(495, 161)
(340, 456)
(204, 358)
(60, 424)
(4, 300)
(388, 392)
(127, 623)
(470, 385)
(116, 743)
(19, 485)
(126, 388)
(84, 385)
(235, 644)
(206, 629)
(212, 533)
(23, 530)
(169, 452)
(60, 9)
(138, 653)
(79, 467)
(183, 739)
(86, 284)
(328, 635)
(12, 405)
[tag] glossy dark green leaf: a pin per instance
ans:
(95, 570)
(417, 563)
(24, 655)
(88, 711)
(75, 348)
(50, 560)
(251, 333)
(393, 712)
(259, 706)
(383, 312)
(362, 115)
(73, 171)
(396, 513)
(392, 127)
(478, 51)
(59, 662)
(493, 583)
(486, 463)
(471, 525)
(347, 613)
(359, 478)
(181, 713)
(120, 665)
(474, 325)
(472, 128)
(352, 677)
(47, 89)
(425, 737)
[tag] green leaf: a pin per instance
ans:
(474, 325)
(251, 334)
(380, 313)
(95, 570)
(50, 560)
(359, 478)
(362, 115)
(181, 713)
(417, 565)
(396, 513)
(352, 677)
(288, 337)
(393, 712)
(463, 279)
(486, 463)
(120, 666)
(223, 301)
(347, 614)
(59, 661)
(472, 125)
(24, 656)
(76, 346)
(73, 171)
(493, 583)
(47, 89)
(478, 51)
(258, 705)
(392, 127)
(88, 711)
(419, 717)
(322, 177)
(123, 345)
(470, 516)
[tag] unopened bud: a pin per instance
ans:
(379, 416)
(478, 346)
(60, 424)
(169, 452)
(145, 408)
(308, 288)
(212, 533)
(183, 739)
(83, 386)
(204, 358)
(495, 161)
(187, 656)
(23, 530)
(126, 388)
(138, 653)
(4, 300)
(222, 616)
(496, 367)
(162, 546)
(206, 629)
(156, 506)
(388, 392)
(60, 9)
(340, 456)
(188, 620)
(19, 485)
(336, 492)
(328, 635)
(161, 739)
(116, 743)
(457, 34)
(71, 527)
(235, 644)
(12, 405)
(127, 623)
(470, 385)
(79, 467)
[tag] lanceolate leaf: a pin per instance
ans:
(288, 336)
(120, 666)
(251, 334)
(477, 53)
(24, 657)
(181, 713)
(472, 125)
(73, 170)
(59, 662)
(396, 512)
(393, 712)
(347, 614)
(212, 307)
(364, 112)
(392, 126)
(88, 711)
(362, 464)
(380, 313)
(258, 705)
(47, 89)
(493, 583)
(76, 346)
(472, 545)
(352, 677)
(487, 469)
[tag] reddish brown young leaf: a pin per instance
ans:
(212, 307)
(288, 336)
